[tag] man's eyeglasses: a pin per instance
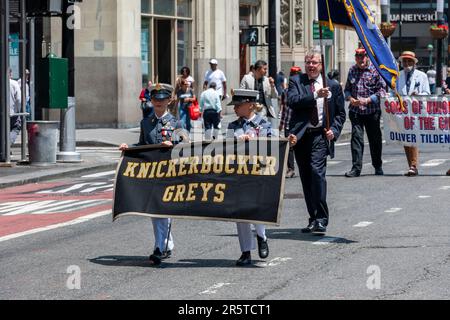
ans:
(314, 63)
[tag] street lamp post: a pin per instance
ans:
(68, 124)
(274, 37)
(440, 19)
(4, 83)
(386, 15)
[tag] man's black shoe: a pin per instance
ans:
(311, 226)
(156, 257)
(320, 228)
(244, 260)
(352, 174)
(263, 247)
(379, 172)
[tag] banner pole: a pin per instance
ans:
(168, 236)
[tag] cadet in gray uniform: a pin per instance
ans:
(159, 129)
(250, 125)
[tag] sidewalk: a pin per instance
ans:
(99, 151)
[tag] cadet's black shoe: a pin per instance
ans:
(290, 173)
(263, 247)
(309, 228)
(244, 260)
(156, 257)
(320, 228)
(352, 174)
(379, 172)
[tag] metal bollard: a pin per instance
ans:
(42, 142)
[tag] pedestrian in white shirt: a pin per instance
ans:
(15, 100)
(218, 77)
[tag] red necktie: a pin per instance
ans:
(314, 117)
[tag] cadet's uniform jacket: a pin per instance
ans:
(156, 131)
(262, 127)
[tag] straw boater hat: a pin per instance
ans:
(408, 55)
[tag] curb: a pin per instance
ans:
(96, 143)
(62, 173)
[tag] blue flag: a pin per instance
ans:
(363, 21)
(333, 12)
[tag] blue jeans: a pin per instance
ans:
(185, 118)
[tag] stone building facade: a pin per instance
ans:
(120, 45)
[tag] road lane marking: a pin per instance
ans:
(393, 210)
(100, 174)
(342, 144)
(363, 224)
(333, 162)
(274, 262)
(326, 240)
(213, 289)
(433, 163)
(56, 226)
(444, 188)
(424, 197)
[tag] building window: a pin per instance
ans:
(169, 20)
(146, 50)
(184, 8)
(146, 6)
(183, 44)
(164, 7)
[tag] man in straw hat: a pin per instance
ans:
(412, 82)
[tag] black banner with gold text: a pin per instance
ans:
(227, 180)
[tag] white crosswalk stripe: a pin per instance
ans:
(100, 174)
(48, 206)
(433, 163)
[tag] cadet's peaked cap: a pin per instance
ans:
(161, 91)
(241, 96)
(408, 55)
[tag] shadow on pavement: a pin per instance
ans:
(296, 234)
(140, 261)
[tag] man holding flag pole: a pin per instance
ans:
(318, 115)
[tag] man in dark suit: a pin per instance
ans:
(315, 134)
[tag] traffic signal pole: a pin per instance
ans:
(439, 56)
(23, 79)
(274, 37)
(68, 124)
(5, 158)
